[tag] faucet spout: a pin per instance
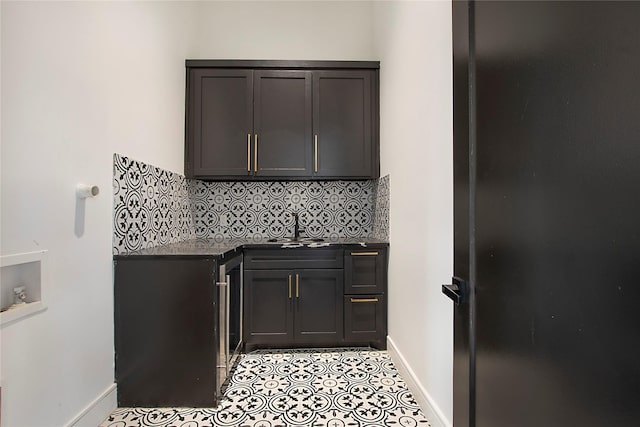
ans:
(296, 226)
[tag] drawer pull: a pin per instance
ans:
(364, 253)
(364, 299)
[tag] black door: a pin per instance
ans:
(557, 245)
(462, 360)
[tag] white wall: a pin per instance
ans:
(286, 30)
(413, 41)
(80, 81)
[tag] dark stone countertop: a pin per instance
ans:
(229, 247)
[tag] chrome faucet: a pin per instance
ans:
(296, 227)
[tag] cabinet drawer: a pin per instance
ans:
(365, 271)
(365, 318)
(298, 258)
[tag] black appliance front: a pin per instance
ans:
(230, 283)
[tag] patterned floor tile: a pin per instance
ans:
(349, 387)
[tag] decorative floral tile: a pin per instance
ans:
(289, 388)
(151, 206)
(381, 209)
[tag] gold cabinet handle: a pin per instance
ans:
(315, 153)
(297, 286)
(255, 155)
(364, 253)
(289, 286)
(248, 152)
(364, 299)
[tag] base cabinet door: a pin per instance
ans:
(318, 312)
(365, 318)
(268, 306)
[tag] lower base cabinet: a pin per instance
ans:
(287, 307)
(302, 306)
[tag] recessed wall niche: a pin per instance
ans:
(21, 285)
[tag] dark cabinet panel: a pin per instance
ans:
(365, 318)
(298, 258)
(365, 271)
(282, 123)
(365, 308)
(268, 306)
(219, 123)
(342, 117)
(165, 332)
(318, 297)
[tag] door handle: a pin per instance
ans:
(248, 152)
(315, 154)
(457, 290)
(255, 154)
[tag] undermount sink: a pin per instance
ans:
(292, 240)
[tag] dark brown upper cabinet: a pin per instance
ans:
(282, 123)
(342, 118)
(219, 122)
(282, 120)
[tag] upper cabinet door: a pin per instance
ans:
(282, 123)
(342, 121)
(219, 123)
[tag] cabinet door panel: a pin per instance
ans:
(365, 318)
(282, 122)
(268, 314)
(342, 117)
(318, 311)
(220, 122)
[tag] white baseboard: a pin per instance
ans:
(429, 408)
(97, 411)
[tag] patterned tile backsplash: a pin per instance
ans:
(150, 207)
(153, 207)
(381, 209)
